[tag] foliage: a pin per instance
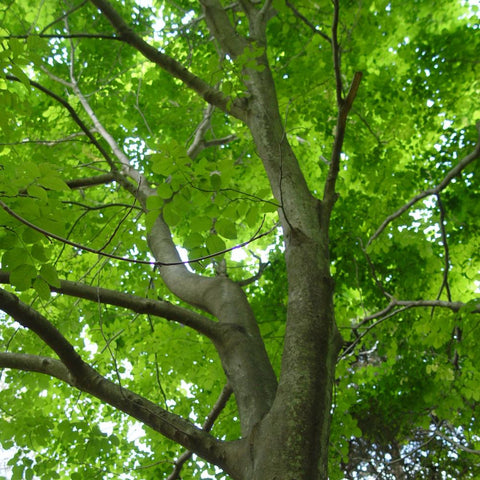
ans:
(407, 377)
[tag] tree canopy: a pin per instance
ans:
(240, 240)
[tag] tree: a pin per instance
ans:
(339, 139)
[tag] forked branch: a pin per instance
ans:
(72, 369)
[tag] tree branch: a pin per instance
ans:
(36, 363)
(222, 29)
(118, 176)
(91, 181)
(336, 53)
(37, 323)
(389, 311)
(307, 22)
(455, 171)
(95, 36)
(170, 65)
(329, 194)
(143, 190)
(85, 378)
(158, 308)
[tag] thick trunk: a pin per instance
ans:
(292, 441)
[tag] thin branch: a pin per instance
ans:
(446, 251)
(142, 185)
(454, 172)
(64, 15)
(95, 36)
(307, 22)
(352, 345)
(134, 303)
(170, 65)
(329, 194)
(389, 311)
(207, 426)
(49, 143)
(85, 129)
(261, 268)
(457, 444)
(198, 141)
(256, 236)
(413, 451)
(336, 53)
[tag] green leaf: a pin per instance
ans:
(37, 192)
(49, 274)
(201, 223)
(226, 228)
(155, 202)
(42, 288)
(215, 244)
(39, 252)
(53, 182)
(194, 240)
(253, 217)
(171, 215)
(13, 258)
(164, 191)
(22, 276)
(215, 181)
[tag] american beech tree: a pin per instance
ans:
(239, 239)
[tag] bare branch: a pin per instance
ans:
(170, 65)
(454, 172)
